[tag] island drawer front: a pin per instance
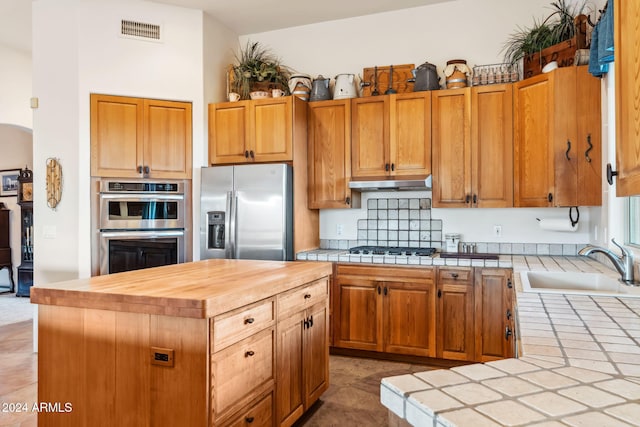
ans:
(259, 414)
(229, 328)
(242, 372)
(303, 297)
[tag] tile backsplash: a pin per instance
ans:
(409, 222)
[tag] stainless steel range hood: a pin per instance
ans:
(392, 185)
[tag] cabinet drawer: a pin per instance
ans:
(241, 372)
(455, 274)
(259, 414)
(239, 324)
(303, 297)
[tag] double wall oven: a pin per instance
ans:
(140, 224)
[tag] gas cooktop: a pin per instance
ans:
(392, 250)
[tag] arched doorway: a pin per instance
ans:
(16, 146)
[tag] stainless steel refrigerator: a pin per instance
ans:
(247, 212)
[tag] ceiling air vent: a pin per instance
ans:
(140, 30)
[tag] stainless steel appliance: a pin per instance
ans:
(392, 250)
(141, 224)
(247, 212)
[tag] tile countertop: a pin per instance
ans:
(579, 364)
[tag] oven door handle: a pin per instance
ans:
(141, 197)
(143, 233)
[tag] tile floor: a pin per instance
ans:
(353, 399)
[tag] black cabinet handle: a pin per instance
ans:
(509, 284)
(386, 167)
(139, 168)
(347, 200)
(249, 420)
(550, 197)
(467, 199)
(507, 333)
(508, 314)
(251, 154)
(610, 174)
(311, 322)
(393, 167)
(455, 276)
(246, 154)
(249, 353)
(379, 290)
(439, 293)
(386, 291)
(249, 321)
(566, 154)
(475, 199)
(307, 296)
(306, 324)
(146, 170)
(586, 153)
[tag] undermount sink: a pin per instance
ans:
(566, 282)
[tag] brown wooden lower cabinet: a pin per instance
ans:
(454, 313)
(385, 309)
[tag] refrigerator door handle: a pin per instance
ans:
(229, 222)
(233, 224)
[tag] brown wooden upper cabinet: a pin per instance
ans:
(627, 60)
(251, 131)
(473, 147)
(138, 137)
(391, 135)
(329, 149)
(557, 148)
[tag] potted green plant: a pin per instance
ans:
(258, 69)
(557, 28)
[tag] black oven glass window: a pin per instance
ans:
(128, 210)
(127, 255)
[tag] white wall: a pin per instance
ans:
(77, 51)
(15, 87)
(16, 144)
(469, 29)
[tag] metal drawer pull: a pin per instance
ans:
(507, 333)
(454, 275)
(307, 296)
(249, 420)
(249, 320)
(249, 353)
(508, 314)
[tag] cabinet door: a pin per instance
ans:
(316, 353)
(271, 130)
(451, 143)
(493, 314)
(410, 134)
(329, 145)
(370, 137)
(357, 314)
(116, 136)
(533, 153)
(167, 139)
(455, 336)
(409, 318)
(589, 138)
(627, 60)
(228, 132)
(289, 369)
(492, 146)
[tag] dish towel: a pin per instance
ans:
(601, 51)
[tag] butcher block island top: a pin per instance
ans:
(199, 289)
(207, 343)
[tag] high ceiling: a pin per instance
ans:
(242, 16)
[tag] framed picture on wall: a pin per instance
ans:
(9, 182)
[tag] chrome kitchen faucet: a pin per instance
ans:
(624, 263)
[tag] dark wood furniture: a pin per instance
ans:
(25, 200)
(5, 246)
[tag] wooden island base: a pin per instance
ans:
(210, 343)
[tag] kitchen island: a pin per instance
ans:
(195, 344)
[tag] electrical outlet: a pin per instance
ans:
(497, 231)
(339, 229)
